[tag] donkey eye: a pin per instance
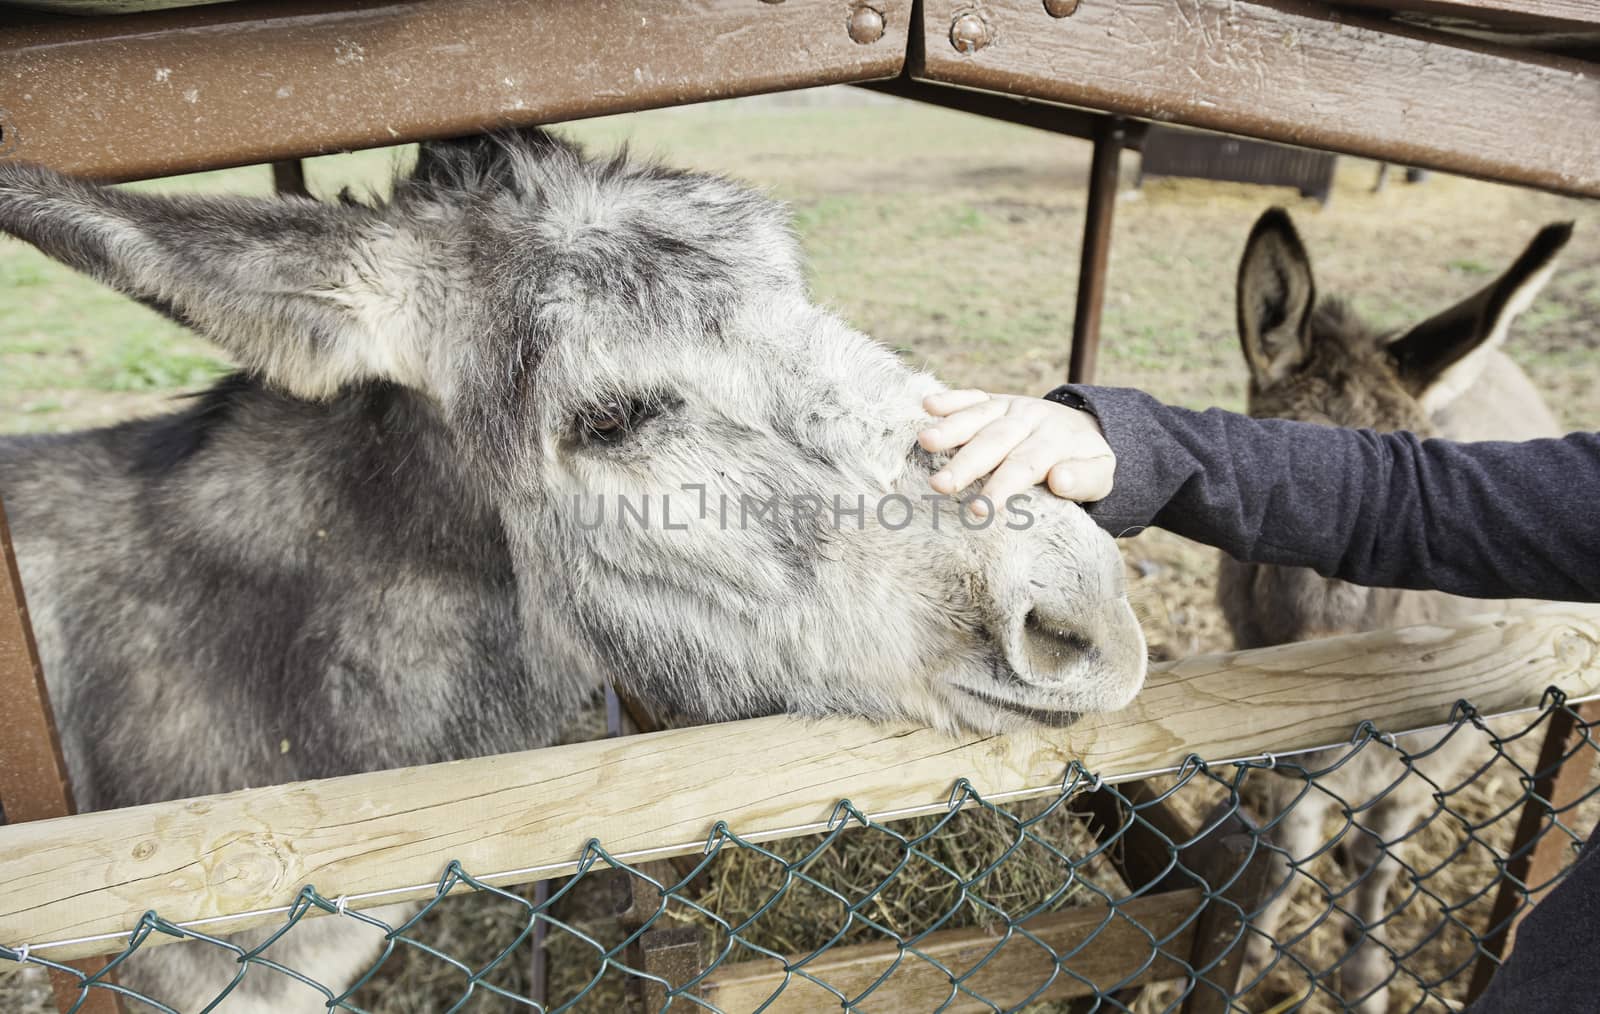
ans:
(611, 421)
(608, 420)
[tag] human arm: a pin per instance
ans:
(1490, 520)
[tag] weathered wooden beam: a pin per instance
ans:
(1563, 774)
(33, 774)
(1105, 948)
(240, 83)
(1564, 784)
(88, 878)
(289, 177)
(673, 953)
(1142, 830)
(1234, 864)
(1540, 15)
(1057, 119)
(1290, 71)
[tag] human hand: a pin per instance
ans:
(1022, 441)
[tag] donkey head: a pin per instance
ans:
(1312, 360)
(710, 486)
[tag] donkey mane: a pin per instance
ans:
(163, 444)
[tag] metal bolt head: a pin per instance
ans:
(866, 24)
(969, 32)
(1061, 8)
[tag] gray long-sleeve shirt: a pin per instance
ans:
(1492, 520)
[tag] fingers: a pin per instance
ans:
(1024, 467)
(962, 425)
(1018, 443)
(981, 455)
(946, 402)
(1084, 480)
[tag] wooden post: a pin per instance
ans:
(1237, 878)
(1109, 134)
(674, 953)
(1147, 831)
(289, 177)
(33, 774)
(1562, 783)
(1144, 850)
(1553, 853)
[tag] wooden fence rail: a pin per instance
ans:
(74, 885)
(1292, 71)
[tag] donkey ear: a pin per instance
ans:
(1440, 358)
(1275, 298)
(312, 296)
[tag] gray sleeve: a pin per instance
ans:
(1491, 520)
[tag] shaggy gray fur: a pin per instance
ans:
(374, 545)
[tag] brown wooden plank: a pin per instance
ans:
(1116, 951)
(1562, 784)
(175, 91)
(659, 795)
(1566, 785)
(1057, 119)
(1289, 71)
(1235, 866)
(1537, 15)
(675, 954)
(289, 177)
(33, 775)
(87, 7)
(1140, 838)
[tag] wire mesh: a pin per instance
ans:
(1360, 877)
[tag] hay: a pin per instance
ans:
(901, 890)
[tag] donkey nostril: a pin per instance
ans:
(1048, 639)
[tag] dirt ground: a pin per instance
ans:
(955, 241)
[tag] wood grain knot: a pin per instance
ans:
(1575, 649)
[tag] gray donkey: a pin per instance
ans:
(535, 423)
(1312, 360)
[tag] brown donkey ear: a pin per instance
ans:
(1276, 295)
(1440, 358)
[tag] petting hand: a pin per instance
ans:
(1023, 441)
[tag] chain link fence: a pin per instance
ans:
(1378, 875)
